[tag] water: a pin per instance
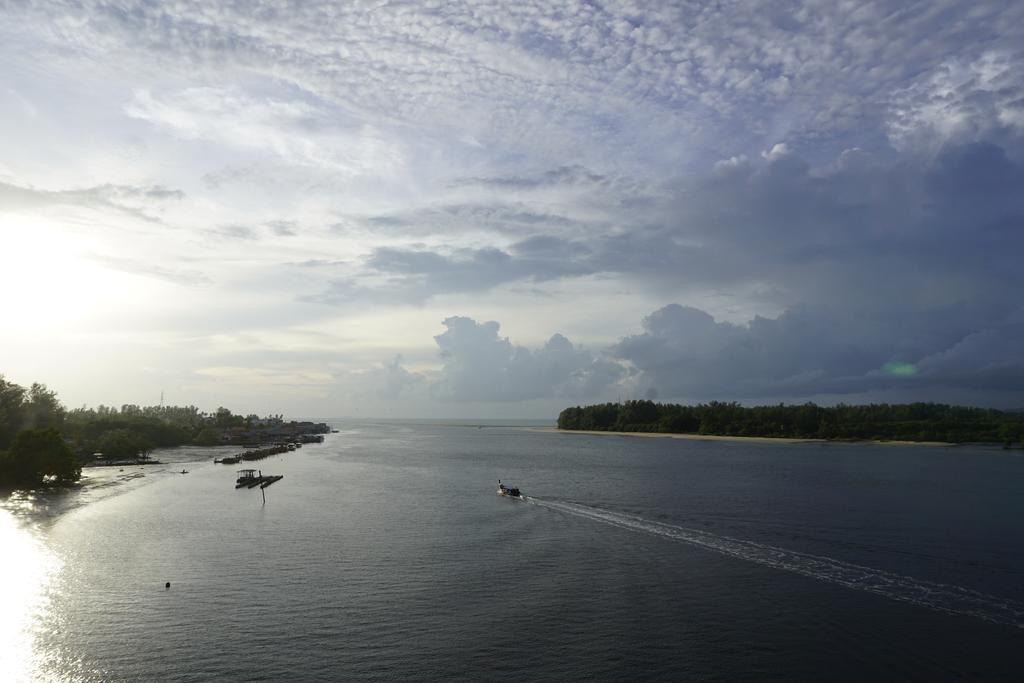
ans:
(385, 553)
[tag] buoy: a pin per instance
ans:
(167, 585)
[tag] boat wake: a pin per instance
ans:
(938, 596)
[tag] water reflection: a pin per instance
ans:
(26, 570)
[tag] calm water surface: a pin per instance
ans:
(385, 553)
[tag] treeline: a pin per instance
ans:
(882, 421)
(113, 430)
(42, 442)
(32, 449)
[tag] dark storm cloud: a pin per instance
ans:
(943, 354)
(911, 260)
(859, 224)
(951, 353)
(860, 232)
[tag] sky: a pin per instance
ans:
(501, 209)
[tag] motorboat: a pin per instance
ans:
(510, 491)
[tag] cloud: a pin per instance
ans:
(855, 229)
(497, 72)
(295, 131)
(137, 201)
(413, 276)
(563, 175)
(961, 101)
(479, 365)
(933, 356)
(283, 228)
(177, 275)
(385, 381)
(852, 174)
(481, 214)
(684, 354)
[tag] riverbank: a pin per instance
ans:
(748, 439)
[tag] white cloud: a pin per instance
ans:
(478, 365)
(295, 131)
(777, 151)
(961, 100)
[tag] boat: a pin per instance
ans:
(246, 478)
(510, 491)
(230, 460)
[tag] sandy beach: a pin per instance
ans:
(749, 439)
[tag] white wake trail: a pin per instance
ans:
(937, 596)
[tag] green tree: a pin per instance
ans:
(915, 421)
(42, 409)
(38, 455)
(208, 436)
(12, 411)
(225, 419)
(124, 443)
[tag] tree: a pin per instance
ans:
(12, 411)
(42, 409)
(225, 419)
(37, 455)
(124, 443)
(208, 436)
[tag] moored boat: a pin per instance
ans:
(247, 478)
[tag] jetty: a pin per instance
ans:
(258, 453)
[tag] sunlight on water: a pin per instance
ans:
(25, 573)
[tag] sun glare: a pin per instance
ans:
(50, 281)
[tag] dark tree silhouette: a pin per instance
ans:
(909, 422)
(39, 456)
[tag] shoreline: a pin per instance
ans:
(747, 439)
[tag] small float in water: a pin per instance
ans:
(510, 491)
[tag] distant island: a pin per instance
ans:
(44, 444)
(876, 422)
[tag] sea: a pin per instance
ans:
(386, 554)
